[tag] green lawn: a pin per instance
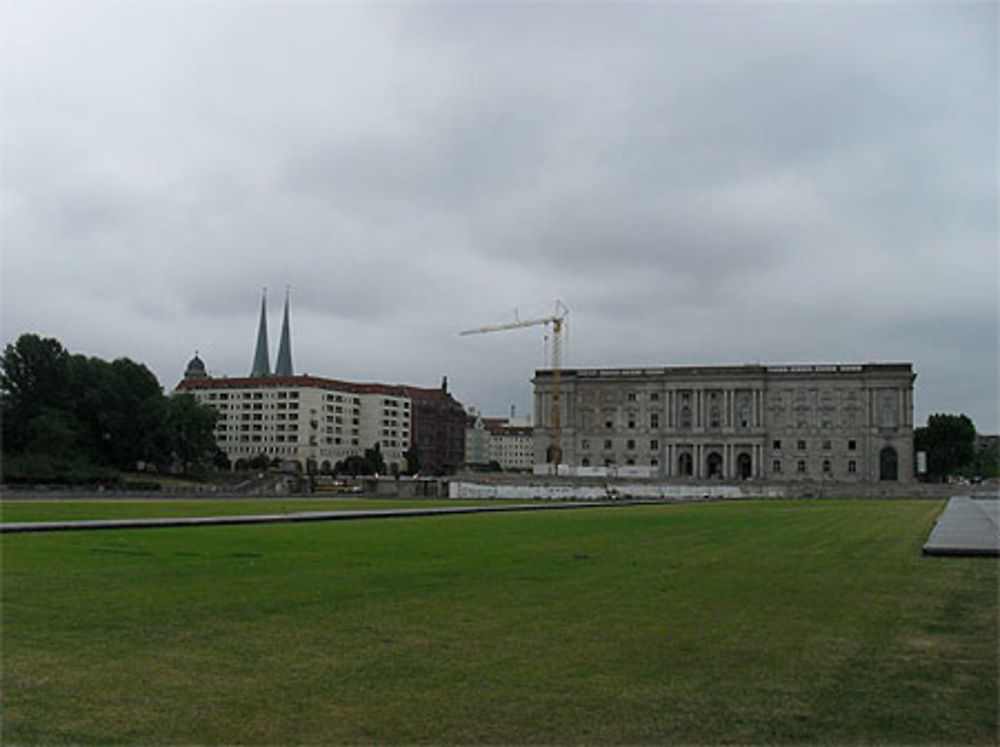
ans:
(763, 622)
(117, 508)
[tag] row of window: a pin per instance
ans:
(776, 445)
(826, 467)
(293, 395)
(654, 444)
(686, 419)
(802, 445)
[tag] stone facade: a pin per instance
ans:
(844, 423)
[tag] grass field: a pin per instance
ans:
(117, 508)
(769, 622)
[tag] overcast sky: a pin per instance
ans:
(705, 183)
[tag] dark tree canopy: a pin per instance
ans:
(374, 461)
(412, 456)
(949, 441)
(72, 413)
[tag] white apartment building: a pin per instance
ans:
(499, 440)
(312, 421)
(513, 447)
(316, 422)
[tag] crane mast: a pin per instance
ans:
(558, 321)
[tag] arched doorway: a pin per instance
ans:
(713, 465)
(685, 465)
(888, 464)
(744, 466)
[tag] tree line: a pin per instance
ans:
(73, 418)
(954, 450)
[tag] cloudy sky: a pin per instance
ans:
(698, 182)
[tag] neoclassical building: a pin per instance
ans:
(848, 423)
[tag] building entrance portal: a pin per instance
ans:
(744, 466)
(713, 465)
(685, 465)
(888, 464)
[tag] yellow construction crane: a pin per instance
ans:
(558, 321)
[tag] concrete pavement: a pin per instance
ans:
(967, 526)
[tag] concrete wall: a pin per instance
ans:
(582, 489)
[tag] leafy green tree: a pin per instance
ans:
(354, 465)
(33, 380)
(189, 430)
(374, 461)
(259, 461)
(118, 407)
(412, 456)
(987, 460)
(221, 461)
(949, 441)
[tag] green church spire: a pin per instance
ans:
(284, 364)
(260, 355)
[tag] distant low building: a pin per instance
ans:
(507, 442)
(846, 423)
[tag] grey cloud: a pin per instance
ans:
(698, 182)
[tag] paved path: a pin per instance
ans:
(966, 527)
(299, 516)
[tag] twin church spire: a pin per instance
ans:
(283, 366)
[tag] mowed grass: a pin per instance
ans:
(29, 510)
(764, 622)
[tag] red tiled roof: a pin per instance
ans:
(501, 427)
(316, 382)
